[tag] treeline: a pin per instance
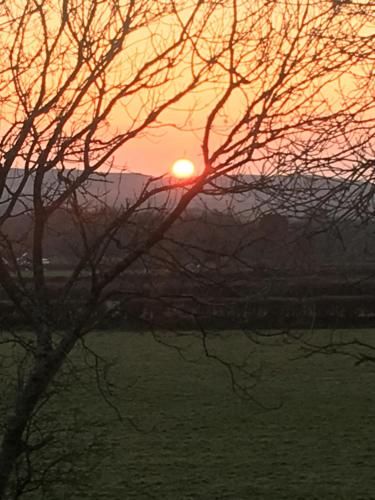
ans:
(201, 241)
(217, 269)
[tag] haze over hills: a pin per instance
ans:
(294, 195)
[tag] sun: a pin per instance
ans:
(183, 168)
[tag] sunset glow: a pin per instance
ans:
(183, 168)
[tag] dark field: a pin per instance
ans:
(197, 440)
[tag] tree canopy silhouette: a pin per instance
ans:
(277, 90)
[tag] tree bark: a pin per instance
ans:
(27, 399)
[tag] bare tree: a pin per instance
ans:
(284, 88)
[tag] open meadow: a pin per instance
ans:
(186, 435)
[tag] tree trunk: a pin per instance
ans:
(27, 399)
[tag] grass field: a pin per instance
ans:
(198, 440)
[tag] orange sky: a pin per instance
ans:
(156, 153)
(266, 33)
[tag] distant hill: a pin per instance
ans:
(293, 195)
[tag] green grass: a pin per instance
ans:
(198, 440)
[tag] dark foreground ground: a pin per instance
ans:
(192, 438)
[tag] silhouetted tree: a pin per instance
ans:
(278, 88)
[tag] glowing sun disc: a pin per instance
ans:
(183, 168)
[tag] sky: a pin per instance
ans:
(157, 152)
(155, 155)
(253, 55)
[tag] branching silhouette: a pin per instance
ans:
(283, 108)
